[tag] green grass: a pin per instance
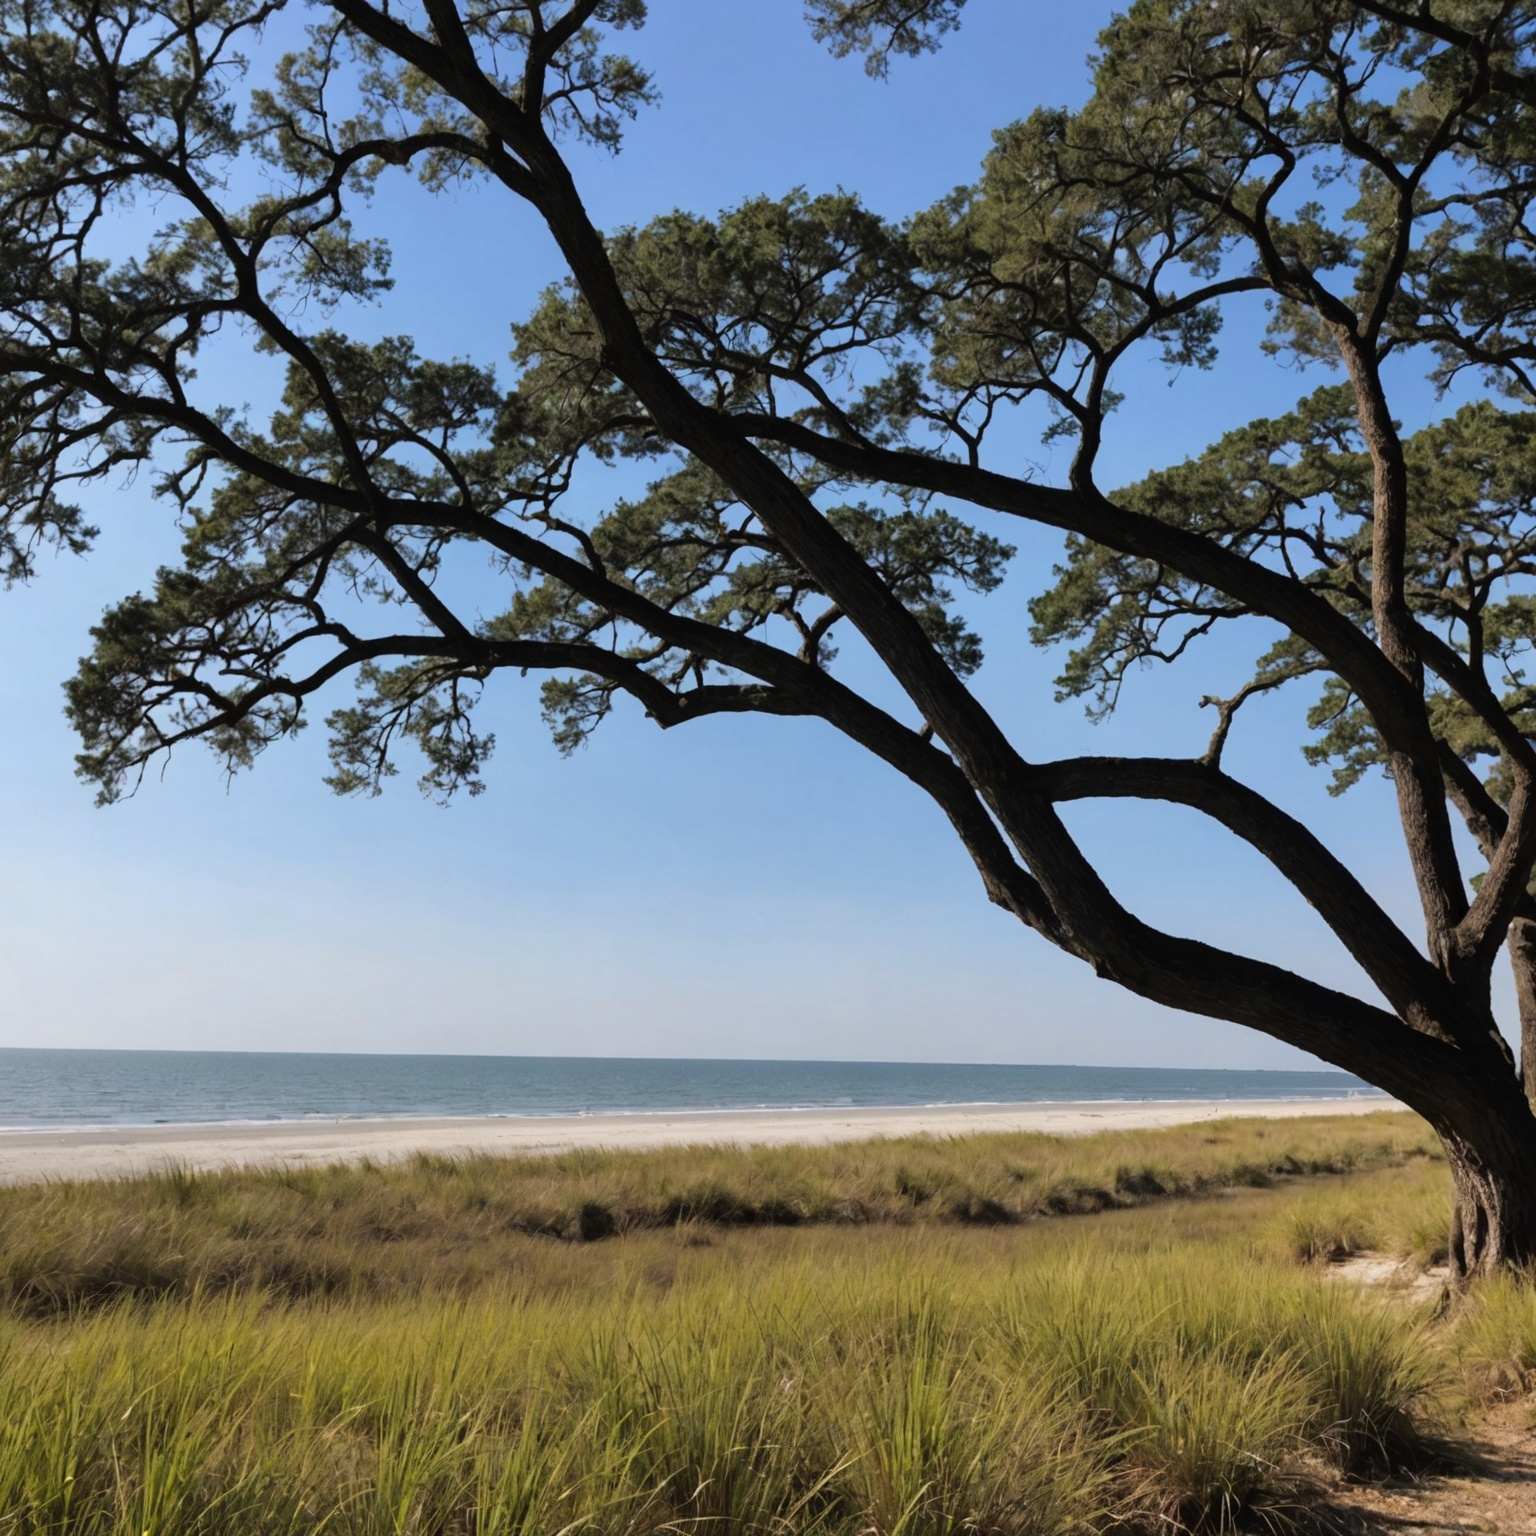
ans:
(1495, 1353)
(1158, 1368)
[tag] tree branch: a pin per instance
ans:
(1409, 982)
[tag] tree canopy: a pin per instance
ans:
(817, 391)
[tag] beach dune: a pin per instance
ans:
(109, 1152)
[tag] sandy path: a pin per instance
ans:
(26, 1156)
(1492, 1492)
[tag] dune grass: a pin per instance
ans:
(1406, 1218)
(1488, 1340)
(1159, 1368)
(883, 1381)
(457, 1223)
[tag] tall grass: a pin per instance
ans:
(1408, 1219)
(690, 1414)
(1149, 1369)
(1495, 1339)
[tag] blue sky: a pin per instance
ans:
(739, 888)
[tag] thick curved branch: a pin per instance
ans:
(1505, 884)
(1395, 705)
(1472, 688)
(1416, 777)
(1397, 710)
(1414, 987)
(1511, 852)
(545, 45)
(1356, 1036)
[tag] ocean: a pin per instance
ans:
(47, 1089)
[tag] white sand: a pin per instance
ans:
(26, 1156)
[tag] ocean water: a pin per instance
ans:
(42, 1089)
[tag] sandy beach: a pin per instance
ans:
(27, 1156)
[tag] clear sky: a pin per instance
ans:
(738, 888)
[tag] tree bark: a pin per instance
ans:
(1493, 1173)
(1522, 963)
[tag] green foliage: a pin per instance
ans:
(1088, 235)
(775, 289)
(1298, 488)
(1249, 491)
(1214, 109)
(881, 28)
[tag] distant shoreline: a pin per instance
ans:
(28, 1156)
(674, 1112)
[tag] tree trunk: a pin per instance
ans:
(1493, 1172)
(1522, 963)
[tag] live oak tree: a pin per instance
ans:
(818, 391)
